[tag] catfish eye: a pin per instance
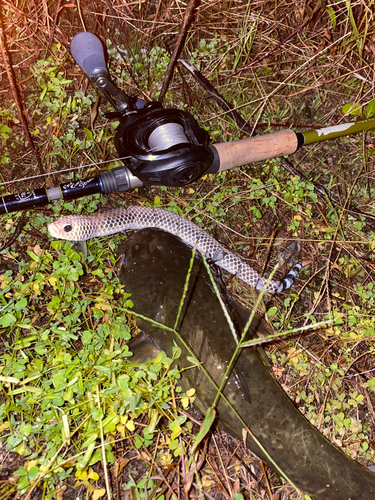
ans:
(67, 228)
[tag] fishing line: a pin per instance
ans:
(167, 135)
(163, 137)
(65, 170)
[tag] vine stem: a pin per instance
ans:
(188, 17)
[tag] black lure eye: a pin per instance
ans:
(67, 228)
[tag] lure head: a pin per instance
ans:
(73, 228)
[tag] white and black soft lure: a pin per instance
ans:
(82, 228)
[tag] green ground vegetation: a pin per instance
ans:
(71, 400)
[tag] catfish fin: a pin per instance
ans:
(143, 348)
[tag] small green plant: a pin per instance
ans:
(57, 396)
(143, 489)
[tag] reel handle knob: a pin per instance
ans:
(87, 51)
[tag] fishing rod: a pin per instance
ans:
(161, 146)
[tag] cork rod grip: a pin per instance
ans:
(237, 153)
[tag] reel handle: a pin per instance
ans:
(87, 51)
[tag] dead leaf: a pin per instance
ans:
(60, 493)
(120, 464)
(100, 492)
(37, 250)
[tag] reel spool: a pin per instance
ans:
(163, 146)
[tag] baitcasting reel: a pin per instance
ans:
(164, 146)
(156, 145)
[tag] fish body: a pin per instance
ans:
(154, 270)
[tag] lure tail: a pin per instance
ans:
(288, 281)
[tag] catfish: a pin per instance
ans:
(154, 267)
